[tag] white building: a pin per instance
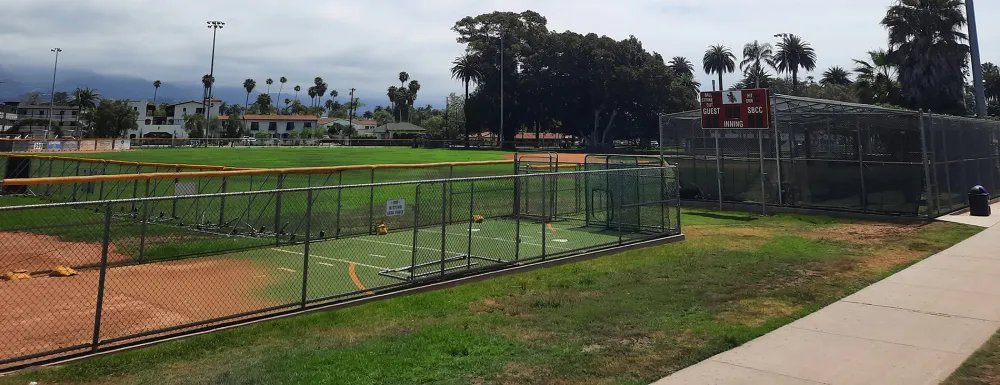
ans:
(277, 126)
(64, 117)
(170, 122)
(361, 126)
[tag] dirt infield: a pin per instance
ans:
(46, 313)
(35, 252)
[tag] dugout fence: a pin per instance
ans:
(230, 257)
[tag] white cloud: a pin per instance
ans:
(364, 44)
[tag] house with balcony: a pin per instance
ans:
(64, 117)
(8, 116)
(169, 122)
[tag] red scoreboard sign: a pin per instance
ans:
(736, 109)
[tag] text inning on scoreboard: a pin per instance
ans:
(736, 109)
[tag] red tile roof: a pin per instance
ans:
(326, 120)
(306, 118)
(366, 122)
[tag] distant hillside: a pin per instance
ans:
(20, 81)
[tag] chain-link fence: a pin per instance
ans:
(88, 276)
(837, 156)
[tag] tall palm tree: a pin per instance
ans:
(83, 99)
(282, 80)
(794, 54)
(206, 81)
(320, 90)
(393, 93)
(719, 60)
(467, 69)
(248, 85)
(329, 107)
(312, 95)
(927, 41)
(876, 80)
(269, 82)
(754, 54)
(297, 89)
(156, 88)
(681, 65)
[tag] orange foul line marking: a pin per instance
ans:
(352, 269)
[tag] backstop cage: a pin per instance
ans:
(835, 156)
(166, 263)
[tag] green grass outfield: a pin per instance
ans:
(629, 318)
(284, 157)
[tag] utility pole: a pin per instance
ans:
(215, 25)
(52, 96)
(977, 66)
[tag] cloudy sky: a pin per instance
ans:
(364, 44)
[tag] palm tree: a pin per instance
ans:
(320, 90)
(83, 99)
(312, 96)
(467, 69)
(719, 60)
(680, 64)
(794, 54)
(249, 85)
(927, 42)
(329, 107)
(876, 80)
(282, 80)
(991, 80)
(393, 94)
(753, 55)
(206, 81)
(836, 75)
(156, 88)
(297, 89)
(403, 77)
(269, 82)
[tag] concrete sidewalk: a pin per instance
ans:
(915, 327)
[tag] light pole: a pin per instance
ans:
(501, 88)
(350, 112)
(215, 25)
(977, 66)
(52, 97)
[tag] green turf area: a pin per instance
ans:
(283, 157)
(629, 318)
(983, 368)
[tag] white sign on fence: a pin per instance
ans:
(395, 207)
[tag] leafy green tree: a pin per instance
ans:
(794, 54)
(34, 99)
(836, 75)
(719, 60)
(233, 126)
(60, 98)
(382, 117)
(927, 42)
(112, 119)
(264, 103)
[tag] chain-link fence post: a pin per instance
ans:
(718, 165)
(416, 229)
(544, 217)
(340, 190)
(277, 210)
(517, 217)
(173, 203)
(860, 148)
(305, 252)
(222, 201)
(777, 152)
(76, 186)
(371, 202)
(101, 280)
(763, 175)
(444, 225)
(143, 225)
(472, 200)
(931, 210)
(451, 193)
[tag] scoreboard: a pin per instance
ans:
(736, 109)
